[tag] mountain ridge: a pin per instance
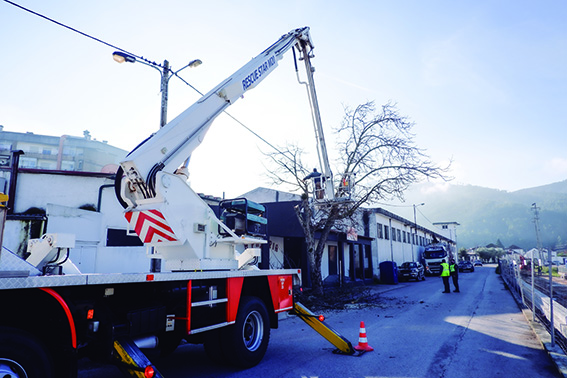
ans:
(489, 215)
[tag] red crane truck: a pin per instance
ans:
(208, 291)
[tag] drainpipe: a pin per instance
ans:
(391, 240)
(13, 180)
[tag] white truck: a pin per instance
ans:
(433, 255)
(208, 290)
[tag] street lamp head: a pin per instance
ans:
(165, 72)
(195, 63)
(192, 64)
(121, 57)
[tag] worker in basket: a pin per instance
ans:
(317, 181)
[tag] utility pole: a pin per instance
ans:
(165, 75)
(165, 72)
(536, 223)
(550, 267)
(534, 207)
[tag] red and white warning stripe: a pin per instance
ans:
(151, 226)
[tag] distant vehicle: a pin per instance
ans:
(409, 270)
(466, 266)
(526, 265)
(477, 263)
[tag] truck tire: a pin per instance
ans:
(22, 355)
(246, 342)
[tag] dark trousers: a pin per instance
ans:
(455, 278)
(446, 284)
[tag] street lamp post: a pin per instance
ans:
(550, 266)
(165, 72)
(415, 226)
(164, 87)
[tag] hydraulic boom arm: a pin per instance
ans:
(168, 148)
(161, 207)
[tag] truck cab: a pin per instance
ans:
(433, 255)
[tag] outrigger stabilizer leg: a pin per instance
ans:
(318, 324)
(131, 361)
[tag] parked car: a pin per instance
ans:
(409, 270)
(466, 266)
(477, 263)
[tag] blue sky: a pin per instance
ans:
(484, 81)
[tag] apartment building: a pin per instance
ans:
(59, 153)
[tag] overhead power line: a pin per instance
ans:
(240, 123)
(77, 31)
(141, 58)
(423, 215)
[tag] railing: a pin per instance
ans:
(519, 282)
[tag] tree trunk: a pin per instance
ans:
(316, 276)
(316, 255)
(304, 214)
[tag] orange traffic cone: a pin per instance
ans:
(363, 341)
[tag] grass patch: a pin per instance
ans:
(554, 271)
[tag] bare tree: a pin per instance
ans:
(378, 149)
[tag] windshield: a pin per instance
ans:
(435, 254)
(408, 265)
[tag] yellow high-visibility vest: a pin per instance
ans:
(445, 271)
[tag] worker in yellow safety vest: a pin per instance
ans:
(445, 274)
(454, 269)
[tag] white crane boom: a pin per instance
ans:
(162, 208)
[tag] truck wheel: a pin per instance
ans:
(22, 356)
(247, 340)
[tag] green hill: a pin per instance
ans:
(488, 215)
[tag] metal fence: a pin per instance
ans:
(537, 296)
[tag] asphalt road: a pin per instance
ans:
(415, 330)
